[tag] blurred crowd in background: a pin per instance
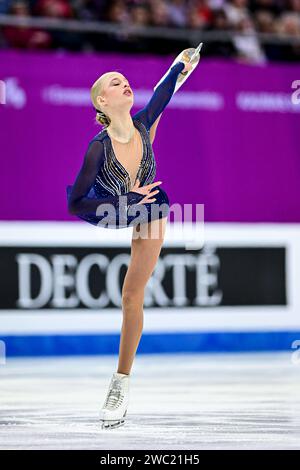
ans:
(242, 18)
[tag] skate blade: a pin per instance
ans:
(112, 424)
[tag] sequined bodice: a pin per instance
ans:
(113, 176)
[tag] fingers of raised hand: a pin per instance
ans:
(148, 187)
(188, 67)
(149, 197)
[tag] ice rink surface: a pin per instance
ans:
(186, 401)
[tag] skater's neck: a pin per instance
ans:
(121, 125)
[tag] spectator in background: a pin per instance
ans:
(118, 12)
(264, 21)
(289, 24)
(177, 12)
(90, 10)
(217, 47)
(294, 5)
(236, 11)
(194, 20)
(140, 16)
(115, 12)
(60, 9)
(204, 12)
(54, 9)
(25, 37)
(159, 13)
(247, 44)
(160, 18)
(216, 4)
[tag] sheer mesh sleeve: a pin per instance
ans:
(160, 97)
(80, 200)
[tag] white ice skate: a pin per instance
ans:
(113, 412)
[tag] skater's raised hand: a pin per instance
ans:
(188, 67)
(147, 190)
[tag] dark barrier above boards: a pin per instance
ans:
(83, 277)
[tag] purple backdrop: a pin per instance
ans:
(228, 139)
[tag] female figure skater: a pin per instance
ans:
(116, 177)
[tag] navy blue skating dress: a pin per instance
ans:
(101, 192)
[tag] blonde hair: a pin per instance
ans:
(101, 117)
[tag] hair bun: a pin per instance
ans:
(102, 118)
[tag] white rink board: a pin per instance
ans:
(221, 318)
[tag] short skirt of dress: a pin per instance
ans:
(130, 215)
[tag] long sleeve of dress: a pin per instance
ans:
(79, 199)
(160, 97)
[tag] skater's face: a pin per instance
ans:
(114, 92)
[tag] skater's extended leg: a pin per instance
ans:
(145, 249)
(146, 245)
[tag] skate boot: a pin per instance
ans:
(113, 412)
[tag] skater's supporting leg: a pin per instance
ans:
(145, 251)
